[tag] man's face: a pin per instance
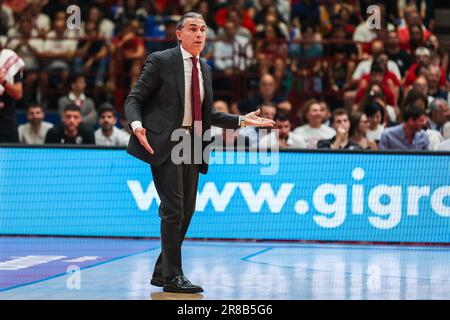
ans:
(35, 115)
(392, 39)
(341, 122)
(107, 120)
(284, 127)
(230, 30)
(25, 27)
(60, 26)
(316, 113)
(268, 112)
(267, 86)
(441, 115)
(419, 123)
(192, 35)
(421, 85)
(79, 85)
(72, 120)
(433, 77)
(423, 59)
(416, 35)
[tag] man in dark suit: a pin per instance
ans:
(174, 92)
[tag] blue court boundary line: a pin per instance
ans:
(84, 268)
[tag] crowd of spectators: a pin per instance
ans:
(317, 68)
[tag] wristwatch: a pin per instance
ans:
(242, 121)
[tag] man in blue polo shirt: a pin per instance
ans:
(410, 134)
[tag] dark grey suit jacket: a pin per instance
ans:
(157, 100)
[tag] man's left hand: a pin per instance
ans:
(252, 119)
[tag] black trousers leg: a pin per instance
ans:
(177, 188)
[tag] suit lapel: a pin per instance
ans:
(178, 71)
(206, 82)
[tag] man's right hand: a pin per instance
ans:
(140, 134)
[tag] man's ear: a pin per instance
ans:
(178, 34)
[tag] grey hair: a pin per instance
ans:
(195, 15)
(434, 105)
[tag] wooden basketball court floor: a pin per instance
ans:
(104, 268)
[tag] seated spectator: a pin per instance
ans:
(270, 15)
(254, 135)
(366, 35)
(71, 130)
(35, 130)
(359, 126)
(439, 57)
(439, 114)
(314, 130)
(282, 137)
(234, 11)
(308, 49)
(131, 10)
(408, 135)
(413, 28)
(423, 60)
(267, 93)
(420, 85)
(341, 140)
(401, 57)
(342, 66)
(433, 75)
(127, 54)
(271, 52)
(108, 134)
(233, 52)
(375, 113)
(364, 66)
(38, 19)
(380, 76)
(104, 25)
(90, 56)
(11, 90)
(59, 47)
(78, 97)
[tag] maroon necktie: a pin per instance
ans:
(195, 99)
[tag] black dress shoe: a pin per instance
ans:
(180, 284)
(157, 282)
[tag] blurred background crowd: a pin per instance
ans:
(317, 67)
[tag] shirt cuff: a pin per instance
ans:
(136, 125)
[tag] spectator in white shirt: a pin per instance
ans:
(233, 52)
(35, 130)
(108, 134)
(282, 137)
(315, 129)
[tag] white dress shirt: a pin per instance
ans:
(187, 62)
(187, 118)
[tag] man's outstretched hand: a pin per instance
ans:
(252, 119)
(140, 134)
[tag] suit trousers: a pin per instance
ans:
(176, 185)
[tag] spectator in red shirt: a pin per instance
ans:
(404, 32)
(378, 75)
(423, 59)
